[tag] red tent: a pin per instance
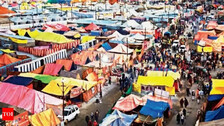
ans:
(52, 69)
(6, 59)
(92, 26)
(5, 11)
(58, 27)
(221, 102)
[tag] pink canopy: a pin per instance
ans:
(92, 27)
(52, 69)
(26, 98)
(57, 27)
(128, 103)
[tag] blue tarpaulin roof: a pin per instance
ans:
(118, 118)
(17, 80)
(106, 46)
(215, 97)
(154, 109)
(214, 115)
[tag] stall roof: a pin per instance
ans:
(24, 81)
(155, 81)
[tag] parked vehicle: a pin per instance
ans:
(70, 112)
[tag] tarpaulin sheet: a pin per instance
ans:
(174, 75)
(7, 51)
(128, 103)
(219, 122)
(118, 118)
(214, 115)
(19, 41)
(204, 49)
(5, 11)
(85, 39)
(52, 69)
(215, 97)
(154, 109)
(217, 91)
(154, 98)
(171, 90)
(66, 63)
(58, 27)
(91, 26)
(32, 75)
(217, 82)
(51, 37)
(24, 81)
(45, 78)
(52, 87)
(26, 98)
(155, 81)
(45, 118)
(6, 59)
(120, 48)
(221, 102)
(106, 46)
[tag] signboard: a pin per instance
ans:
(75, 92)
(161, 93)
(19, 120)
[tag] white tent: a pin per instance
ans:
(132, 23)
(116, 36)
(138, 37)
(101, 49)
(120, 48)
(147, 25)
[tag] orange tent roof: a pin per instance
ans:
(7, 59)
(5, 11)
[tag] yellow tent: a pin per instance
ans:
(205, 49)
(45, 118)
(19, 41)
(174, 75)
(166, 81)
(87, 38)
(53, 88)
(32, 75)
(7, 51)
(50, 37)
(155, 81)
(217, 87)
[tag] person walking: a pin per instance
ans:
(87, 120)
(178, 118)
(95, 123)
(184, 112)
(182, 119)
(92, 116)
(90, 123)
(181, 102)
(97, 115)
(185, 102)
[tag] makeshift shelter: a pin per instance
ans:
(154, 109)
(212, 24)
(118, 118)
(66, 63)
(147, 82)
(45, 78)
(147, 25)
(214, 115)
(32, 100)
(52, 69)
(131, 23)
(120, 48)
(5, 11)
(157, 99)
(204, 34)
(217, 87)
(23, 81)
(116, 37)
(221, 102)
(57, 27)
(92, 26)
(45, 118)
(174, 75)
(128, 103)
(6, 59)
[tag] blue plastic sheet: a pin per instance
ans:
(17, 80)
(215, 97)
(154, 109)
(106, 46)
(214, 115)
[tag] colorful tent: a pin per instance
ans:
(85, 39)
(45, 118)
(106, 46)
(52, 69)
(17, 80)
(6, 59)
(214, 115)
(174, 75)
(57, 27)
(128, 103)
(157, 99)
(26, 98)
(154, 109)
(91, 27)
(45, 78)
(120, 48)
(212, 24)
(217, 87)
(118, 118)
(66, 63)
(156, 81)
(5, 11)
